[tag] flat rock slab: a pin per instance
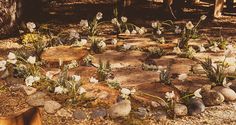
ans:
(52, 55)
(120, 59)
(133, 76)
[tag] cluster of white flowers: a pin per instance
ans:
(31, 60)
(81, 90)
(126, 92)
(31, 26)
(115, 22)
(31, 79)
(76, 78)
(169, 95)
(3, 65)
(11, 58)
(93, 80)
(182, 77)
(60, 90)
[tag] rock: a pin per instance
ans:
(64, 113)
(89, 95)
(142, 112)
(161, 116)
(79, 114)
(120, 109)
(51, 106)
(155, 104)
(29, 90)
(197, 69)
(228, 93)
(212, 97)
(37, 99)
(180, 110)
(196, 106)
(103, 95)
(99, 113)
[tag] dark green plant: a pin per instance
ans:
(156, 52)
(104, 70)
(165, 76)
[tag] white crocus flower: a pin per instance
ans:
(84, 23)
(197, 93)
(93, 80)
(124, 19)
(76, 78)
(169, 95)
(201, 48)
(102, 44)
(189, 25)
(127, 32)
(177, 30)
(225, 84)
(142, 30)
(177, 50)
(159, 32)
(11, 58)
(83, 42)
(31, 79)
(3, 65)
(114, 21)
(31, 59)
(127, 46)
(60, 90)
(99, 16)
(134, 32)
(114, 41)
(49, 74)
(81, 90)
(182, 77)
(31, 26)
(203, 17)
(154, 25)
(132, 91)
(125, 91)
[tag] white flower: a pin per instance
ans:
(60, 90)
(99, 16)
(142, 30)
(177, 30)
(124, 19)
(49, 74)
(31, 59)
(154, 24)
(60, 61)
(11, 58)
(102, 44)
(31, 26)
(127, 32)
(132, 91)
(201, 48)
(214, 48)
(169, 95)
(125, 91)
(76, 78)
(134, 32)
(203, 17)
(83, 41)
(81, 90)
(3, 65)
(127, 46)
(182, 77)
(93, 80)
(189, 25)
(84, 23)
(114, 21)
(225, 84)
(159, 32)
(114, 41)
(31, 79)
(176, 50)
(197, 93)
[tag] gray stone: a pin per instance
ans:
(37, 99)
(142, 112)
(103, 95)
(196, 106)
(98, 113)
(64, 113)
(180, 110)
(51, 106)
(212, 97)
(29, 90)
(120, 109)
(161, 115)
(228, 93)
(79, 114)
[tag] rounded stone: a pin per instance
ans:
(196, 106)
(180, 110)
(212, 97)
(228, 93)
